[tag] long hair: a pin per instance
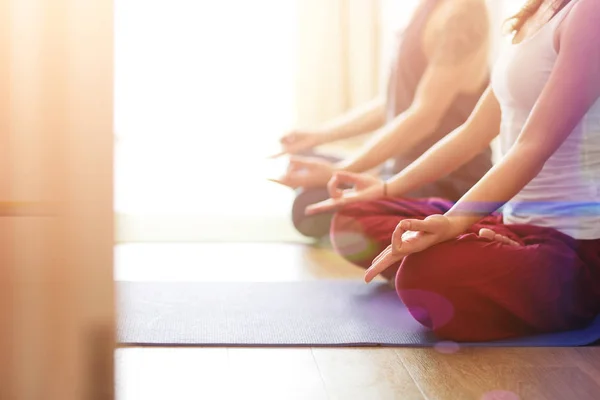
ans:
(516, 22)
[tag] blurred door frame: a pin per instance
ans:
(57, 314)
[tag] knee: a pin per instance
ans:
(314, 226)
(351, 240)
(448, 290)
(427, 292)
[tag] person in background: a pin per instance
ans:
(440, 69)
(463, 269)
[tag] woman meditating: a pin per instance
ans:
(464, 269)
(439, 71)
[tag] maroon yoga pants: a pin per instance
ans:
(474, 289)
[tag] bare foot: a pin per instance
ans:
(491, 235)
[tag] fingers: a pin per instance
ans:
(340, 179)
(382, 254)
(382, 263)
(487, 233)
(410, 236)
(277, 155)
(292, 144)
(302, 162)
(394, 253)
(339, 196)
(297, 173)
(297, 165)
(333, 187)
(397, 239)
(288, 139)
(285, 142)
(509, 242)
(407, 232)
(282, 181)
(491, 235)
(350, 178)
(409, 229)
(432, 224)
(293, 178)
(276, 180)
(288, 142)
(288, 150)
(324, 206)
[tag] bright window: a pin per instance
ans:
(202, 89)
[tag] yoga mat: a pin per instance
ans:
(313, 313)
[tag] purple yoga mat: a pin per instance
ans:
(314, 313)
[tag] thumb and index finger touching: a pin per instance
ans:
(338, 192)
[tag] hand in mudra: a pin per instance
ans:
(413, 236)
(306, 172)
(364, 187)
(410, 236)
(297, 142)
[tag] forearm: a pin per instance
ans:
(503, 182)
(361, 120)
(393, 140)
(454, 150)
(446, 156)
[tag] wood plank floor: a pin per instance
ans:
(320, 373)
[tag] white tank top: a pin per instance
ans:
(566, 193)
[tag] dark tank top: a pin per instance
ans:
(408, 66)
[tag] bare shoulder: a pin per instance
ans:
(584, 14)
(580, 24)
(462, 30)
(586, 6)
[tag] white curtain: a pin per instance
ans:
(338, 56)
(344, 51)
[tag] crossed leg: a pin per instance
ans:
(495, 281)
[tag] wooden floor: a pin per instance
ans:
(354, 373)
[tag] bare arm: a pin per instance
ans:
(459, 55)
(576, 77)
(364, 119)
(455, 150)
